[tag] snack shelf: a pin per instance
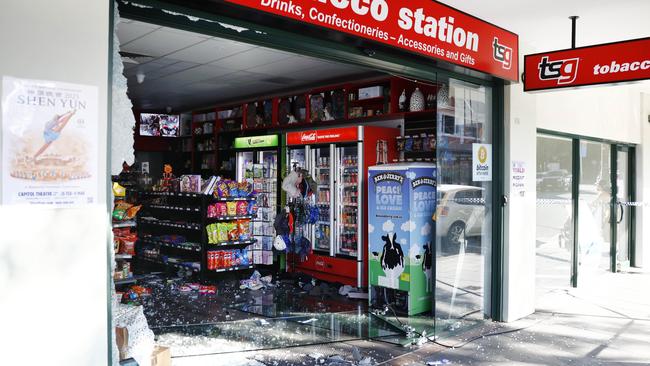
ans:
(231, 243)
(230, 218)
(174, 208)
(193, 248)
(226, 199)
(189, 226)
(239, 268)
(123, 256)
(173, 194)
(130, 223)
(175, 265)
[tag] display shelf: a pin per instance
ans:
(323, 223)
(373, 100)
(173, 194)
(174, 208)
(130, 223)
(230, 218)
(232, 243)
(171, 264)
(239, 268)
(226, 199)
(192, 248)
(178, 225)
(123, 256)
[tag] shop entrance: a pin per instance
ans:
(585, 211)
(237, 106)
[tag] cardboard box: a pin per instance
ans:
(161, 356)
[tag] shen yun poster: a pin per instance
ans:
(49, 143)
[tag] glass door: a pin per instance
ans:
(347, 201)
(245, 165)
(554, 239)
(594, 211)
(464, 214)
(322, 172)
(623, 208)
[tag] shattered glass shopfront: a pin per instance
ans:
(279, 307)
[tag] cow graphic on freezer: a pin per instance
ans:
(427, 264)
(392, 262)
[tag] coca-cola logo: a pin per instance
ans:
(320, 263)
(308, 137)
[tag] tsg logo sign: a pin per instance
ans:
(502, 54)
(564, 71)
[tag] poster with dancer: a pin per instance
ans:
(49, 143)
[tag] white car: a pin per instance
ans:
(460, 212)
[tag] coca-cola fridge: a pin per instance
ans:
(338, 159)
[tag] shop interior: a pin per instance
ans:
(229, 136)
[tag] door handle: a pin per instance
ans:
(622, 212)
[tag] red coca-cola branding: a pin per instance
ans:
(345, 134)
(600, 64)
(308, 137)
(421, 26)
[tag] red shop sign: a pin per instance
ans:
(425, 27)
(346, 134)
(600, 64)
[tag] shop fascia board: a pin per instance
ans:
(192, 20)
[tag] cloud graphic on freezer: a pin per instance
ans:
(414, 251)
(388, 226)
(411, 175)
(408, 226)
(426, 229)
(371, 228)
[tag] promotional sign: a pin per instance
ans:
(345, 134)
(256, 141)
(518, 178)
(49, 143)
(401, 230)
(421, 26)
(600, 64)
(481, 162)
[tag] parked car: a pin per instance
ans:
(556, 179)
(460, 211)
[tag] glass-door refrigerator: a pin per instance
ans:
(258, 162)
(338, 159)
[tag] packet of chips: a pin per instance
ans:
(222, 189)
(232, 208)
(233, 189)
(208, 230)
(212, 211)
(233, 231)
(252, 208)
(245, 189)
(222, 232)
(222, 209)
(242, 208)
(244, 229)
